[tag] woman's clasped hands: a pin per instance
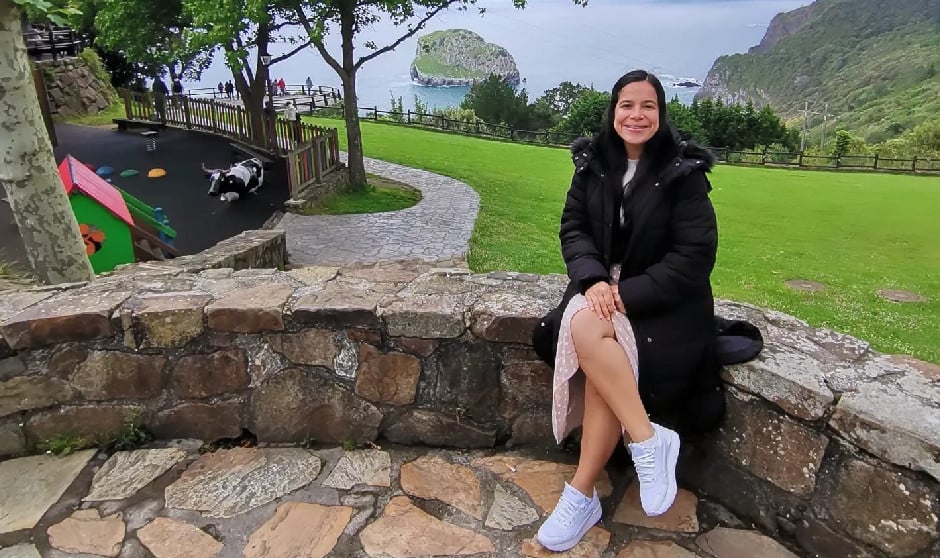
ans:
(604, 300)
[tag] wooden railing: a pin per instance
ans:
(54, 41)
(311, 151)
(317, 156)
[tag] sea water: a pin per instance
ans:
(552, 41)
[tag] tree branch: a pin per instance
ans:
(291, 53)
(318, 43)
(407, 35)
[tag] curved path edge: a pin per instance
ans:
(437, 228)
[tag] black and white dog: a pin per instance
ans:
(237, 182)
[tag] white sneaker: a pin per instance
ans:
(655, 462)
(574, 514)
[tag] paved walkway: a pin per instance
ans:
(436, 228)
(173, 501)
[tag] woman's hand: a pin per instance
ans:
(601, 301)
(618, 302)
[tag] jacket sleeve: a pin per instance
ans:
(688, 264)
(582, 256)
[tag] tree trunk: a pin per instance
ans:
(356, 164)
(28, 172)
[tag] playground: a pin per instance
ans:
(199, 220)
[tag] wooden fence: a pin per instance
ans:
(311, 151)
(723, 154)
(52, 40)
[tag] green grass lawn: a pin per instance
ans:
(103, 118)
(854, 232)
(379, 196)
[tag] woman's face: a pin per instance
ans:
(636, 118)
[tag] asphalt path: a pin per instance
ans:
(199, 220)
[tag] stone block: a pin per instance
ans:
(892, 412)
(201, 421)
(10, 367)
(250, 310)
(338, 306)
(463, 377)
(892, 512)
(423, 427)
(427, 317)
(313, 347)
(25, 393)
(735, 543)
(198, 376)
(169, 320)
(66, 361)
(100, 422)
(772, 446)
(533, 428)
(370, 336)
(793, 381)
(295, 405)
(12, 441)
(387, 377)
(419, 347)
(64, 318)
(820, 541)
(506, 317)
(705, 468)
(115, 375)
(528, 382)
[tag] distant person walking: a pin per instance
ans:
(292, 116)
(160, 93)
(309, 86)
(229, 89)
(282, 86)
(221, 89)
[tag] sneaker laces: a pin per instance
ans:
(645, 464)
(566, 511)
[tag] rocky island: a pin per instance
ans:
(460, 57)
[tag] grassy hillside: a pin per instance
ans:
(875, 62)
(853, 232)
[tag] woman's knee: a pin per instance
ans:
(587, 329)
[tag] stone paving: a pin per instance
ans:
(176, 501)
(437, 228)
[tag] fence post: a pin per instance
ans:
(409, 116)
(512, 134)
(763, 157)
(376, 118)
(799, 161)
(875, 163)
(187, 114)
(127, 103)
(914, 164)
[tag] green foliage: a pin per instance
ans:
(734, 126)
(854, 232)
(131, 436)
(873, 63)
(585, 115)
(842, 143)
(685, 120)
(57, 11)
(495, 100)
(559, 99)
(397, 108)
(64, 444)
(93, 61)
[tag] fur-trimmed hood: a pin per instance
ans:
(691, 157)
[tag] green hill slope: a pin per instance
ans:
(876, 63)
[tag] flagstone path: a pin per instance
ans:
(288, 502)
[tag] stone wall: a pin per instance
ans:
(315, 193)
(826, 441)
(73, 89)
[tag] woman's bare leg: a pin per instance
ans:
(600, 435)
(607, 367)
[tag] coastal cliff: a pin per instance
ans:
(871, 64)
(460, 57)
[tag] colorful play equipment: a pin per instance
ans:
(117, 227)
(156, 173)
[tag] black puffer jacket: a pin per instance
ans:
(670, 245)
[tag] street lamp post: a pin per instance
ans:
(272, 116)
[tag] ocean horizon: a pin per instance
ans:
(552, 41)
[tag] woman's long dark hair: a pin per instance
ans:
(661, 148)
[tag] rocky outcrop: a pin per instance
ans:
(73, 89)
(783, 25)
(460, 57)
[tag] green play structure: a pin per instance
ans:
(117, 227)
